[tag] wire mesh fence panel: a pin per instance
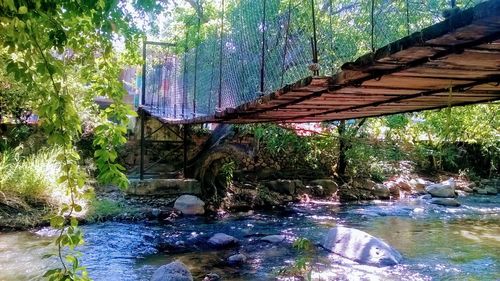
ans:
(162, 93)
(250, 48)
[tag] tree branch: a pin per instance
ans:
(197, 6)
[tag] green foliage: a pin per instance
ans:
(360, 156)
(456, 139)
(442, 137)
(15, 101)
(227, 170)
(277, 142)
(303, 244)
(101, 209)
(302, 265)
(13, 136)
(62, 52)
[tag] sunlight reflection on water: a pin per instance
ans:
(437, 243)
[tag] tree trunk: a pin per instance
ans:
(342, 160)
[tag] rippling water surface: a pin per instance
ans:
(437, 243)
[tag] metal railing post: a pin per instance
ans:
(221, 53)
(184, 79)
(196, 61)
(372, 21)
(315, 40)
(263, 51)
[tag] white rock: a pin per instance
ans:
(174, 271)
(451, 182)
(441, 190)
(361, 247)
(190, 205)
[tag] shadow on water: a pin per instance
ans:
(437, 243)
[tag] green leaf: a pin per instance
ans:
(62, 179)
(23, 10)
(77, 208)
(57, 221)
(74, 222)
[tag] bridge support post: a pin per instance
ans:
(185, 135)
(142, 144)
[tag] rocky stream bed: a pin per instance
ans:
(436, 243)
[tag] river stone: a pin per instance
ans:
(491, 190)
(448, 202)
(174, 271)
(190, 205)
(282, 186)
(329, 186)
(381, 191)
(404, 185)
(467, 189)
(236, 259)
(155, 212)
(418, 185)
(442, 190)
(487, 190)
(221, 240)
(425, 197)
(451, 182)
(393, 189)
(361, 247)
(273, 238)
(212, 277)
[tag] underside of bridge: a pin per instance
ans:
(455, 62)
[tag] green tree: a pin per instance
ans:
(62, 52)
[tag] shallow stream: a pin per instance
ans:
(437, 243)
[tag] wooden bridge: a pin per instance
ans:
(452, 63)
(455, 62)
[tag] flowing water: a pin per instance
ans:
(437, 243)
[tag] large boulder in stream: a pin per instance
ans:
(445, 189)
(360, 247)
(174, 271)
(190, 205)
(363, 189)
(324, 187)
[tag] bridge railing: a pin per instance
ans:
(253, 47)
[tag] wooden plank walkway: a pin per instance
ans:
(455, 62)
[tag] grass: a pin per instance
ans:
(30, 180)
(28, 187)
(29, 192)
(102, 209)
